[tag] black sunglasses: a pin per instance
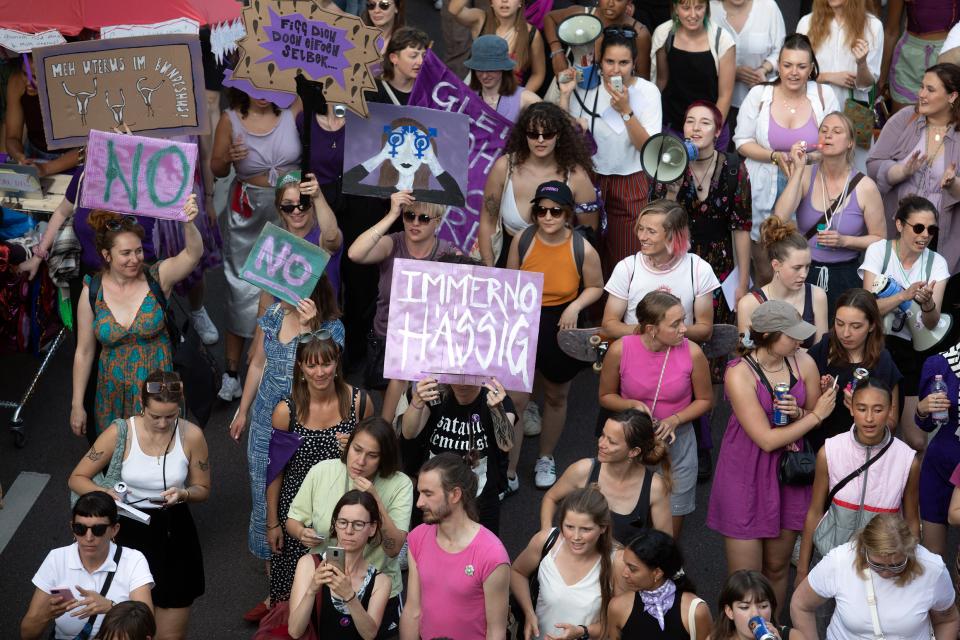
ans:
(125, 221)
(384, 5)
(626, 32)
(919, 228)
(546, 135)
(410, 216)
(290, 208)
(555, 212)
(81, 529)
(160, 387)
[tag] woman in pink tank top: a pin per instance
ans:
(659, 371)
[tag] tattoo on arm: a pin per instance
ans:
(502, 429)
(388, 543)
(492, 206)
(94, 455)
(203, 464)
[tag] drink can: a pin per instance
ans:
(779, 417)
(121, 490)
(859, 376)
(760, 630)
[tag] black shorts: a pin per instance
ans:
(552, 363)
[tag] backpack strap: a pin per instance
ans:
(668, 44)
(94, 289)
(155, 288)
(886, 257)
(716, 43)
(549, 542)
(578, 253)
(526, 239)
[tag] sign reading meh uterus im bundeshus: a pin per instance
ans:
(284, 265)
(134, 174)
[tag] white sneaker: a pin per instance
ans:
(513, 485)
(204, 326)
(230, 388)
(531, 420)
(545, 472)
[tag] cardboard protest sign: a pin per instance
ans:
(176, 25)
(398, 148)
(463, 324)
(143, 176)
(286, 37)
(19, 179)
(437, 87)
(152, 84)
(284, 265)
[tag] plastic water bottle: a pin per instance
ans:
(939, 418)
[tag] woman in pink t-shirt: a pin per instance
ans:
(658, 370)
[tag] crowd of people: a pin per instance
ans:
(825, 236)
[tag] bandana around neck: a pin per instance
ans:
(659, 601)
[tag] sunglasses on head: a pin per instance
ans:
(160, 387)
(290, 208)
(888, 568)
(319, 334)
(125, 221)
(383, 4)
(536, 135)
(626, 32)
(410, 216)
(81, 529)
(919, 228)
(555, 212)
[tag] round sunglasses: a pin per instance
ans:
(920, 228)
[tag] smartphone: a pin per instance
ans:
(64, 593)
(337, 556)
(617, 83)
(157, 501)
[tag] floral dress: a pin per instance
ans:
(128, 355)
(315, 446)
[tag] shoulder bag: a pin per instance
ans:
(516, 617)
(108, 478)
(863, 119)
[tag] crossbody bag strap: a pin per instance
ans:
(866, 465)
(872, 603)
(106, 586)
(756, 368)
(834, 206)
(692, 618)
(656, 396)
(886, 256)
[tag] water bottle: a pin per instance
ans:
(939, 417)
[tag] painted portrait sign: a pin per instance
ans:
(151, 84)
(400, 148)
(287, 37)
(284, 265)
(142, 176)
(463, 324)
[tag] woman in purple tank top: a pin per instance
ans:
(839, 210)
(493, 79)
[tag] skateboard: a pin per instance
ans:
(590, 344)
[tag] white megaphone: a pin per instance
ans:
(665, 156)
(579, 33)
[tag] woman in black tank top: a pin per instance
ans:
(639, 498)
(661, 601)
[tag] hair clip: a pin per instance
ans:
(746, 340)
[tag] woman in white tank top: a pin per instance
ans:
(165, 466)
(573, 570)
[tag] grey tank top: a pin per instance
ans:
(273, 153)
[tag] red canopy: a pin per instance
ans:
(69, 17)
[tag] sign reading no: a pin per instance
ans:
(284, 265)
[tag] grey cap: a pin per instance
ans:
(490, 53)
(777, 315)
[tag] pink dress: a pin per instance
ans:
(747, 501)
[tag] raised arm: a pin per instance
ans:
(470, 17)
(175, 269)
(373, 246)
(330, 237)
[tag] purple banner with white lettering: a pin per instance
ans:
(438, 88)
(463, 324)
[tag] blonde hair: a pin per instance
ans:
(851, 135)
(888, 534)
(853, 14)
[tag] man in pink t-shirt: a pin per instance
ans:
(459, 575)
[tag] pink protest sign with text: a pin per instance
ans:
(133, 174)
(463, 324)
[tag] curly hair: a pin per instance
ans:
(570, 151)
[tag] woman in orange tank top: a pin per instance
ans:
(568, 289)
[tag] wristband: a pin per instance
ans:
(556, 53)
(930, 309)
(773, 157)
(921, 415)
(817, 416)
(351, 598)
(416, 406)
(276, 526)
(586, 632)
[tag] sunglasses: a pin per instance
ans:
(125, 221)
(919, 228)
(356, 525)
(383, 4)
(81, 529)
(423, 218)
(620, 31)
(160, 387)
(546, 135)
(555, 212)
(319, 334)
(290, 208)
(888, 568)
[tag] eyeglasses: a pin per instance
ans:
(160, 387)
(626, 32)
(383, 4)
(919, 228)
(423, 218)
(125, 221)
(888, 568)
(81, 529)
(537, 135)
(290, 208)
(319, 334)
(356, 525)
(555, 212)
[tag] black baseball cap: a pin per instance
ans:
(556, 191)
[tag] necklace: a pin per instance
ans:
(938, 132)
(828, 210)
(699, 180)
(783, 363)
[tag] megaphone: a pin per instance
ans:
(579, 33)
(665, 156)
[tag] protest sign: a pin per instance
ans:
(282, 99)
(144, 176)
(26, 42)
(437, 87)
(286, 37)
(400, 148)
(19, 179)
(461, 323)
(284, 265)
(176, 25)
(151, 84)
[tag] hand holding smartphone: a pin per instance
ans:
(64, 593)
(337, 556)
